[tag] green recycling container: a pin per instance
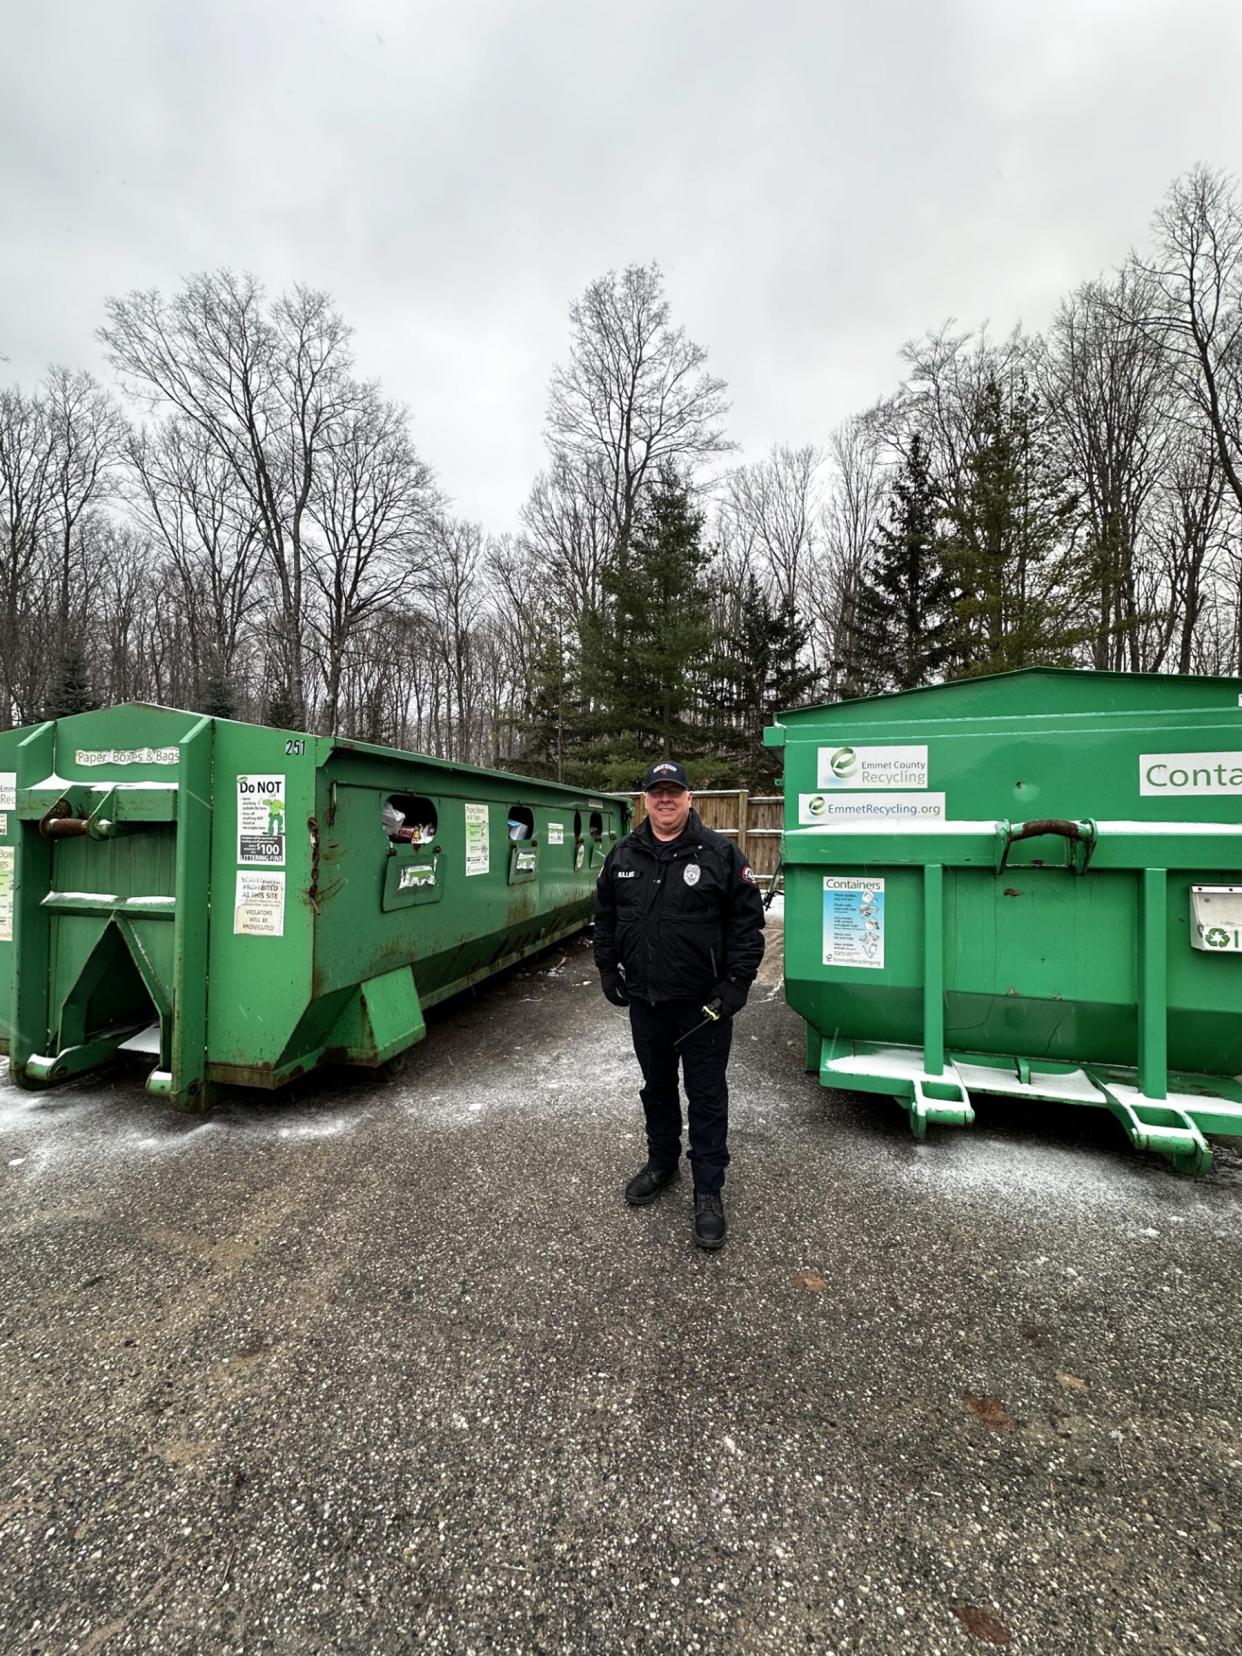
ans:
(241, 904)
(1026, 885)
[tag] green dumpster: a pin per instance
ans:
(1028, 885)
(240, 904)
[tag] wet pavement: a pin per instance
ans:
(379, 1368)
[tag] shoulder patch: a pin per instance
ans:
(748, 873)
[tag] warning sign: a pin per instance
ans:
(853, 922)
(556, 833)
(261, 820)
(260, 907)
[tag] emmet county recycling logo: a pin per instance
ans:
(842, 762)
(1216, 937)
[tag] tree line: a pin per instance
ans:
(245, 526)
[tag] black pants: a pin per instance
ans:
(704, 1059)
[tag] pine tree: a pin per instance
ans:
(1009, 544)
(647, 694)
(218, 694)
(902, 631)
(758, 670)
(70, 688)
(553, 729)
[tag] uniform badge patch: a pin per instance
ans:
(691, 874)
(747, 874)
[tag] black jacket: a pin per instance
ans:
(678, 918)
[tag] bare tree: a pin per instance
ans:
(87, 433)
(1196, 283)
(569, 527)
(373, 502)
(454, 594)
(1108, 385)
(26, 507)
(943, 398)
(1191, 528)
(635, 394)
(267, 386)
(184, 495)
(776, 504)
(852, 514)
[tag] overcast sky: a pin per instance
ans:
(818, 179)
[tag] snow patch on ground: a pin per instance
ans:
(95, 1124)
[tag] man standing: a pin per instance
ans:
(678, 939)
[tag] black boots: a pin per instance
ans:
(709, 1219)
(647, 1184)
(709, 1214)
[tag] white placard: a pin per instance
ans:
(8, 790)
(4, 824)
(261, 821)
(556, 833)
(260, 907)
(853, 922)
(128, 756)
(1189, 775)
(478, 849)
(844, 766)
(832, 810)
(6, 893)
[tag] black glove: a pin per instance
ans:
(732, 996)
(613, 985)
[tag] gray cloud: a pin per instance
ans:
(819, 181)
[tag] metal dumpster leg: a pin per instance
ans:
(814, 1045)
(933, 969)
(32, 878)
(1153, 985)
(186, 1085)
(1163, 1128)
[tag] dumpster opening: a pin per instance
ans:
(410, 818)
(521, 822)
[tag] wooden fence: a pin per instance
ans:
(753, 820)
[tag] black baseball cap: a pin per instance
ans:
(666, 771)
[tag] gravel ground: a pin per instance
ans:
(379, 1368)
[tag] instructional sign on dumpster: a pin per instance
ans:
(8, 790)
(260, 907)
(261, 820)
(478, 854)
(853, 922)
(556, 833)
(7, 853)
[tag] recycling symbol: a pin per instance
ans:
(1216, 937)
